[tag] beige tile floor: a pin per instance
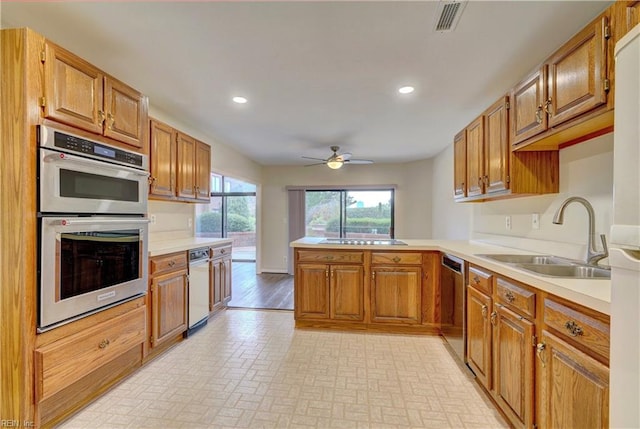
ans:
(252, 369)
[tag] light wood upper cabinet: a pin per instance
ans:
(475, 157)
(577, 75)
(202, 174)
(527, 106)
(78, 94)
(626, 15)
(162, 160)
(497, 151)
(460, 165)
(574, 387)
(186, 185)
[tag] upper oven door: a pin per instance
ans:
(74, 184)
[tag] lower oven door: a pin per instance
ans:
(88, 264)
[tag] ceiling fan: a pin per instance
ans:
(336, 160)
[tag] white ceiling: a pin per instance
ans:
(315, 73)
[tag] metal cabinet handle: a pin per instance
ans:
(111, 121)
(326, 273)
(539, 114)
(509, 296)
(548, 107)
(100, 117)
(476, 279)
(539, 349)
(172, 263)
(494, 317)
(103, 344)
(574, 329)
(396, 259)
(484, 310)
(480, 182)
(221, 250)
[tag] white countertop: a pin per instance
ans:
(163, 247)
(591, 293)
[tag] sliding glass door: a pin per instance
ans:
(349, 213)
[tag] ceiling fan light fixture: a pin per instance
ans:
(334, 164)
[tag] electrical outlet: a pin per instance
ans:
(152, 219)
(507, 222)
(535, 221)
(190, 223)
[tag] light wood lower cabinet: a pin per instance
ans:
(479, 335)
(221, 278)
(396, 294)
(329, 292)
(574, 387)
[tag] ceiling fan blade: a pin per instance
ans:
(358, 161)
(346, 156)
(317, 163)
(317, 159)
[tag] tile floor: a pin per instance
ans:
(251, 369)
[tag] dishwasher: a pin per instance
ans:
(198, 289)
(453, 303)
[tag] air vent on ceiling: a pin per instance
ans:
(448, 14)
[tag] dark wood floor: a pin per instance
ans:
(251, 290)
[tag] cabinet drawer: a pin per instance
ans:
(330, 257)
(218, 252)
(399, 258)
(578, 326)
(480, 279)
(66, 361)
(516, 297)
(173, 261)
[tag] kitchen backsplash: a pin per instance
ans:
(586, 170)
(170, 220)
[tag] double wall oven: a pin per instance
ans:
(93, 229)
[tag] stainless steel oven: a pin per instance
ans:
(88, 264)
(93, 230)
(77, 175)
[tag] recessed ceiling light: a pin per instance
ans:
(239, 100)
(406, 90)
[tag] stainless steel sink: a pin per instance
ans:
(552, 266)
(526, 259)
(568, 271)
(363, 241)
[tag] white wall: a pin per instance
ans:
(586, 170)
(412, 200)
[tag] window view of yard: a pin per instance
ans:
(349, 214)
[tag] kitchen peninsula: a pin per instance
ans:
(527, 335)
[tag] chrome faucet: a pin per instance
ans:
(593, 255)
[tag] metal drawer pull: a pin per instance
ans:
(476, 279)
(510, 297)
(484, 310)
(329, 257)
(573, 328)
(539, 349)
(103, 344)
(396, 259)
(172, 263)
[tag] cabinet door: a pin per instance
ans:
(203, 171)
(460, 165)
(311, 292)
(475, 157)
(216, 287)
(496, 147)
(395, 294)
(169, 295)
(574, 387)
(513, 351)
(226, 280)
(126, 112)
(479, 335)
(577, 74)
(527, 104)
(347, 292)
(186, 171)
(162, 160)
(73, 90)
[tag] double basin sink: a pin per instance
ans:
(552, 266)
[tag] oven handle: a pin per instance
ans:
(66, 157)
(92, 221)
